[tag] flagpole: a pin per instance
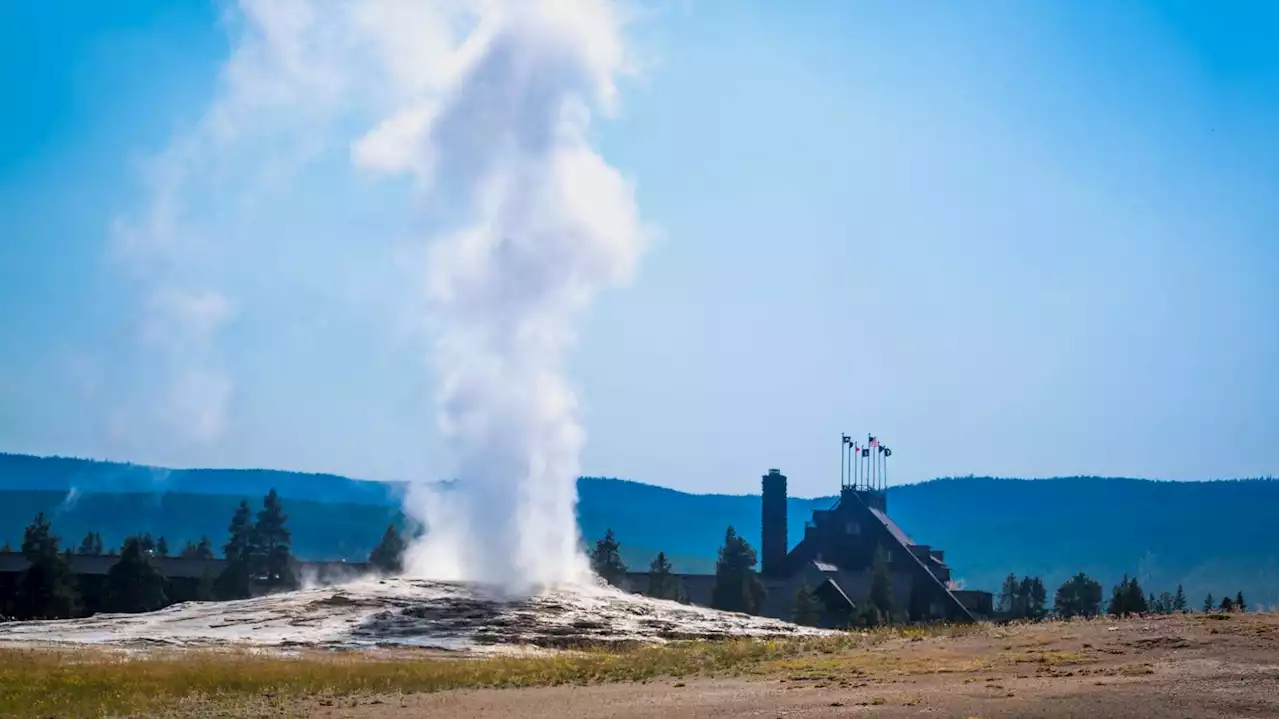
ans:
(843, 442)
(866, 469)
(853, 459)
(875, 464)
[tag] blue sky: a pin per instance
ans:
(1036, 239)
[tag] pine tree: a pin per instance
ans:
(1028, 598)
(1208, 603)
(46, 589)
(1179, 600)
(1119, 604)
(1008, 599)
(606, 561)
(239, 539)
(162, 547)
(1135, 600)
(1240, 605)
(204, 550)
(662, 583)
(881, 594)
(7, 548)
(86, 544)
(133, 583)
(866, 615)
(271, 544)
(1038, 605)
(1079, 596)
(188, 550)
(736, 587)
(233, 581)
(804, 608)
(1153, 604)
(38, 539)
(145, 542)
(1226, 605)
(1127, 598)
(388, 555)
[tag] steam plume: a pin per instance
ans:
(487, 105)
(547, 224)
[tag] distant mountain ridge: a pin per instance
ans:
(1213, 536)
(24, 472)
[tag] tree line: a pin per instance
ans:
(1081, 596)
(257, 553)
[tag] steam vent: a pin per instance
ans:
(837, 552)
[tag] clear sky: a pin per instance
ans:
(1009, 238)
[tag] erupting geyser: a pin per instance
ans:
(542, 223)
(485, 104)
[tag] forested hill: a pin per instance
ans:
(67, 474)
(1216, 536)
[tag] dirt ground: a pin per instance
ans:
(1189, 666)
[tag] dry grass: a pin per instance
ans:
(87, 682)
(42, 683)
(207, 682)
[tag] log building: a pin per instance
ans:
(838, 549)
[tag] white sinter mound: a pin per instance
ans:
(409, 612)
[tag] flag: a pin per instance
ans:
(866, 452)
(887, 451)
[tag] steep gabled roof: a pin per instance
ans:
(831, 593)
(892, 526)
(901, 538)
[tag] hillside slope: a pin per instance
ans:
(1214, 537)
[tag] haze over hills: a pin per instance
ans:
(1213, 536)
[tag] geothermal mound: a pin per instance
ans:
(409, 613)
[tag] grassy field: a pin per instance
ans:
(1197, 665)
(44, 682)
